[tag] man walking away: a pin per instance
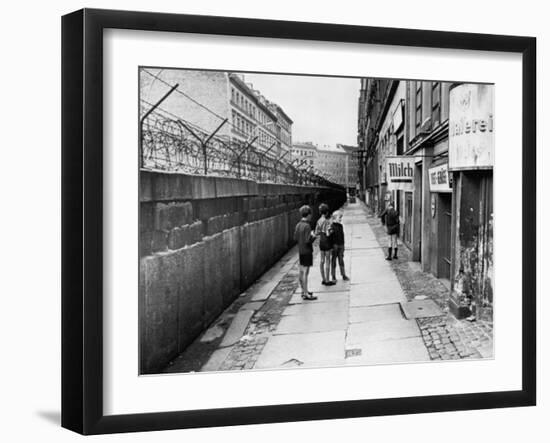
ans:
(305, 239)
(391, 218)
(338, 245)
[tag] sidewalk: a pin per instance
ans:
(444, 335)
(368, 320)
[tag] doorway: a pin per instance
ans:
(444, 235)
(407, 237)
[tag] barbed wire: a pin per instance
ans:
(169, 142)
(203, 106)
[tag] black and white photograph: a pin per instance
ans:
(303, 221)
(275, 222)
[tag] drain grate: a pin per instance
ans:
(421, 309)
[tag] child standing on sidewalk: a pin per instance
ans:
(324, 231)
(338, 245)
(305, 239)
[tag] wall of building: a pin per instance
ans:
(332, 164)
(387, 145)
(451, 228)
(209, 88)
(472, 286)
(204, 240)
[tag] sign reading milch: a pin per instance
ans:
(400, 172)
(471, 127)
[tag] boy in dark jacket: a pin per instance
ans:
(338, 245)
(305, 238)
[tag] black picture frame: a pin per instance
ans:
(82, 218)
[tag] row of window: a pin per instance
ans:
(241, 124)
(265, 139)
(436, 104)
(285, 138)
(302, 152)
(249, 108)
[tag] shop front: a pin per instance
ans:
(441, 215)
(400, 172)
(471, 159)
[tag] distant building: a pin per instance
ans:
(333, 163)
(336, 164)
(209, 97)
(303, 155)
(352, 166)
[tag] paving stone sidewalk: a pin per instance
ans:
(363, 321)
(238, 336)
(445, 337)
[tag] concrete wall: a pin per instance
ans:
(204, 240)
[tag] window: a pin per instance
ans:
(436, 102)
(232, 94)
(418, 117)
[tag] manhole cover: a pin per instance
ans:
(421, 309)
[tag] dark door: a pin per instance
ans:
(407, 237)
(444, 240)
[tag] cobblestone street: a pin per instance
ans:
(389, 312)
(445, 336)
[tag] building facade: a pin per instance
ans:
(336, 164)
(428, 147)
(332, 163)
(304, 155)
(283, 129)
(351, 167)
(206, 98)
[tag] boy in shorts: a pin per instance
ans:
(305, 239)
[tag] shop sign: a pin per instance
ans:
(471, 127)
(440, 179)
(400, 172)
